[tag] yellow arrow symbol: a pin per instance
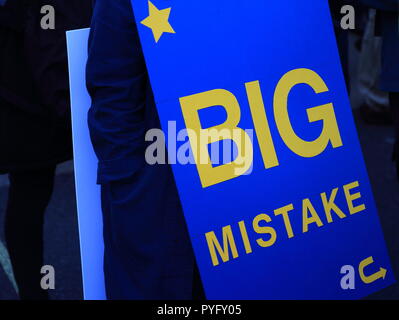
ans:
(373, 277)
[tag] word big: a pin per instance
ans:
(211, 175)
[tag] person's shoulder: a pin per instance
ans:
(113, 9)
(120, 5)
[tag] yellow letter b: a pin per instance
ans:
(200, 138)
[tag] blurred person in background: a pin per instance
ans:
(387, 26)
(375, 107)
(342, 35)
(35, 133)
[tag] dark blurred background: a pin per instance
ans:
(361, 55)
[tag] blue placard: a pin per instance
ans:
(302, 218)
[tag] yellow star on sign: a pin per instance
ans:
(157, 21)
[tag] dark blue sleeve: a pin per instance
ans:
(116, 80)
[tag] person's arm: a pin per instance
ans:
(116, 80)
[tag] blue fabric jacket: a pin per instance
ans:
(148, 254)
(388, 25)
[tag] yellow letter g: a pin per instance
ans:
(330, 132)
